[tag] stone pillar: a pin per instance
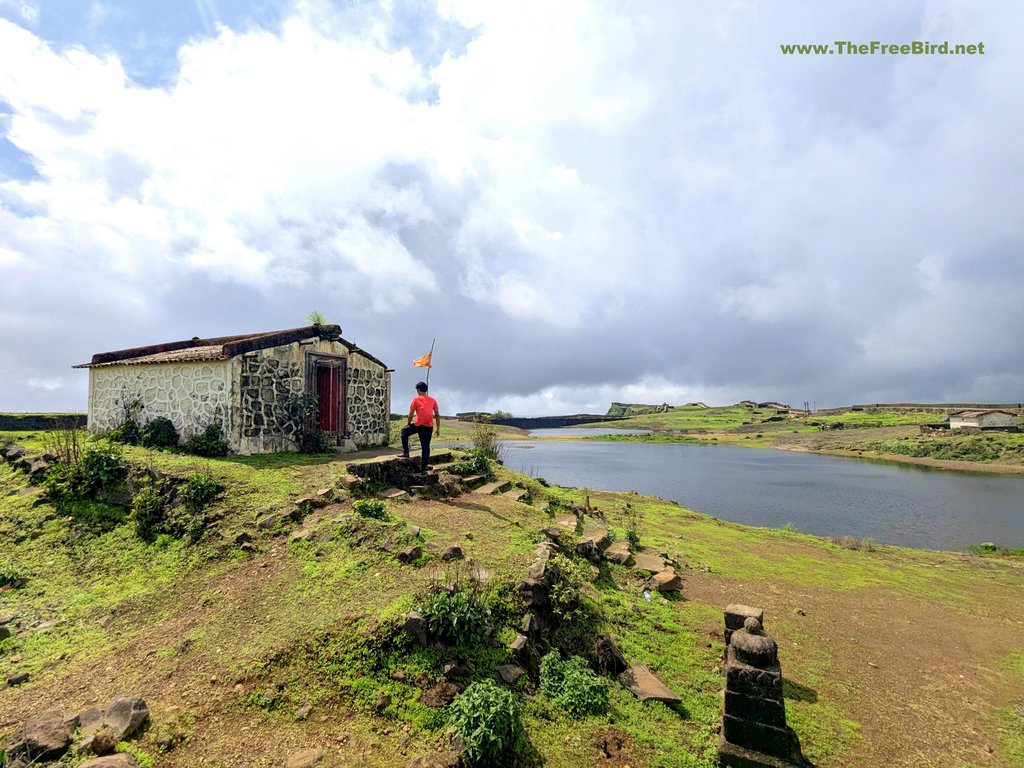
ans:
(736, 614)
(754, 732)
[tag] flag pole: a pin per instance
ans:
(431, 360)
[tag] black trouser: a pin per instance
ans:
(424, 433)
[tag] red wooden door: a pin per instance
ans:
(328, 388)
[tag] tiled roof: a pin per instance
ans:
(220, 348)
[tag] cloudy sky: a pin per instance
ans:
(583, 201)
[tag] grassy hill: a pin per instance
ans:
(254, 643)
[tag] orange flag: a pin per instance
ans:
(423, 362)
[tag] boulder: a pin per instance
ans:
(268, 522)
(440, 695)
(518, 645)
(618, 552)
(41, 737)
(124, 716)
(452, 553)
(416, 626)
(18, 679)
(509, 673)
(639, 681)
(409, 554)
(38, 468)
(648, 560)
(666, 581)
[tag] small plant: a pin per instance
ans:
(632, 526)
(459, 617)
(209, 443)
(198, 491)
(10, 577)
(375, 508)
(485, 717)
(159, 433)
(573, 619)
(474, 463)
(147, 513)
(129, 430)
(486, 442)
(573, 685)
(64, 442)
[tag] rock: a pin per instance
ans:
(440, 760)
(268, 523)
(609, 657)
(100, 741)
(13, 453)
(509, 673)
(735, 616)
(303, 712)
(242, 538)
(440, 695)
(518, 645)
(639, 681)
(38, 468)
(666, 581)
(414, 531)
(618, 552)
(307, 758)
(125, 715)
(41, 737)
(534, 593)
(387, 545)
(4, 632)
(648, 560)
(120, 760)
(452, 553)
(409, 554)
(416, 626)
(18, 679)
(382, 703)
(530, 624)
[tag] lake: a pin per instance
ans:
(825, 495)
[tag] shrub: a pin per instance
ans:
(486, 442)
(159, 433)
(375, 508)
(573, 685)
(474, 463)
(458, 618)
(485, 717)
(129, 430)
(198, 491)
(147, 513)
(573, 619)
(303, 413)
(103, 468)
(209, 443)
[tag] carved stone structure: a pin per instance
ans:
(246, 384)
(754, 732)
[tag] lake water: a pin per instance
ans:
(586, 432)
(825, 495)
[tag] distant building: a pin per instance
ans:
(248, 384)
(993, 419)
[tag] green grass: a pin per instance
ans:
(692, 417)
(985, 447)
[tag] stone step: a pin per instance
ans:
(473, 481)
(647, 559)
(392, 493)
(493, 487)
(567, 521)
(441, 457)
(425, 478)
(518, 494)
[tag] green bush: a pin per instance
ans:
(485, 717)
(573, 619)
(474, 463)
(10, 576)
(210, 443)
(375, 508)
(159, 433)
(573, 685)
(102, 468)
(198, 491)
(459, 618)
(147, 513)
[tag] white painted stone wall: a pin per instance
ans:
(985, 420)
(191, 395)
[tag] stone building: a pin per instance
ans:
(246, 384)
(990, 419)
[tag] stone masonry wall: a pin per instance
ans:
(266, 381)
(191, 395)
(369, 401)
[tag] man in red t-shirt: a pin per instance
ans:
(423, 415)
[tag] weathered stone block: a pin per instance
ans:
(756, 736)
(769, 711)
(751, 681)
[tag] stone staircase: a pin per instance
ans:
(402, 477)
